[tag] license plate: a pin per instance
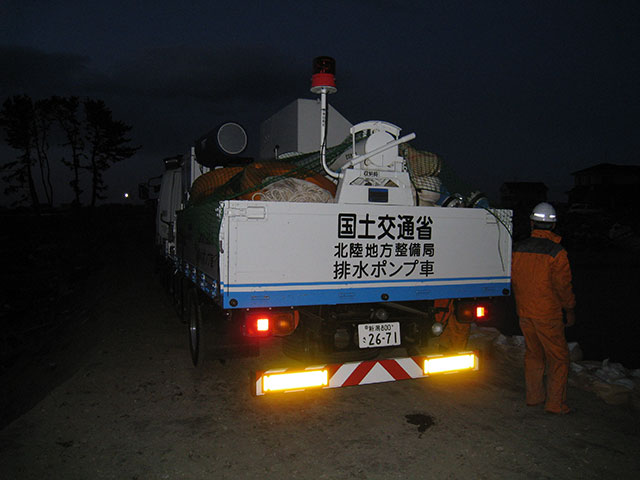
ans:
(373, 335)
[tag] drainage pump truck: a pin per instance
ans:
(343, 246)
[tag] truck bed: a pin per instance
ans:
(275, 254)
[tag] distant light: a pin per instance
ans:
(126, 195)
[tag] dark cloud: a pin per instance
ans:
(215, 75)
(39, 74)
(176, 94)
(170, 95)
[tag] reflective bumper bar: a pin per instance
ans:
(362, 373)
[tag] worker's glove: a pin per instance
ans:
(571, 318)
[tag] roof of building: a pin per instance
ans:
(609, 168)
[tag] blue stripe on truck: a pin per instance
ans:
(286, 297)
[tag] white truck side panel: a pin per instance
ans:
(284, 254)
(169, 202)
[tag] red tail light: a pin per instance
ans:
(270, 322)
(257, 325)
(468, 311)
(263, 324)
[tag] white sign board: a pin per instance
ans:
(291, 254)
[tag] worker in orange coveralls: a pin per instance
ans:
(541, 282)
(455, 334)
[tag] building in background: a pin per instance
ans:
(606, 186)
(522, 195)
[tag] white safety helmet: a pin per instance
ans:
(543, 212)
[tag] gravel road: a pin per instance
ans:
(126, 403)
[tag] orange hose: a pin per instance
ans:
(206, 184)
(253, 175)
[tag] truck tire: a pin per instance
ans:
(194, 324)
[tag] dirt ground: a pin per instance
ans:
(121, 400)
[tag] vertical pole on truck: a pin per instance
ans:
(323, 82)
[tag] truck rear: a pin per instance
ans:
(355, 255)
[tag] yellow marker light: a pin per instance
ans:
(480, 312)
(262, 324)
(295, 380)
(449, 364)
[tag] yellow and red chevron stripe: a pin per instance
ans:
(361, 373)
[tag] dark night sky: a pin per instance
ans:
(504, 91)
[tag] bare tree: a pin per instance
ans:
(95, 139)
(17, 119)
(67, 111)
(42, 122)
(107, 144)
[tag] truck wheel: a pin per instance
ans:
(194, 320)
